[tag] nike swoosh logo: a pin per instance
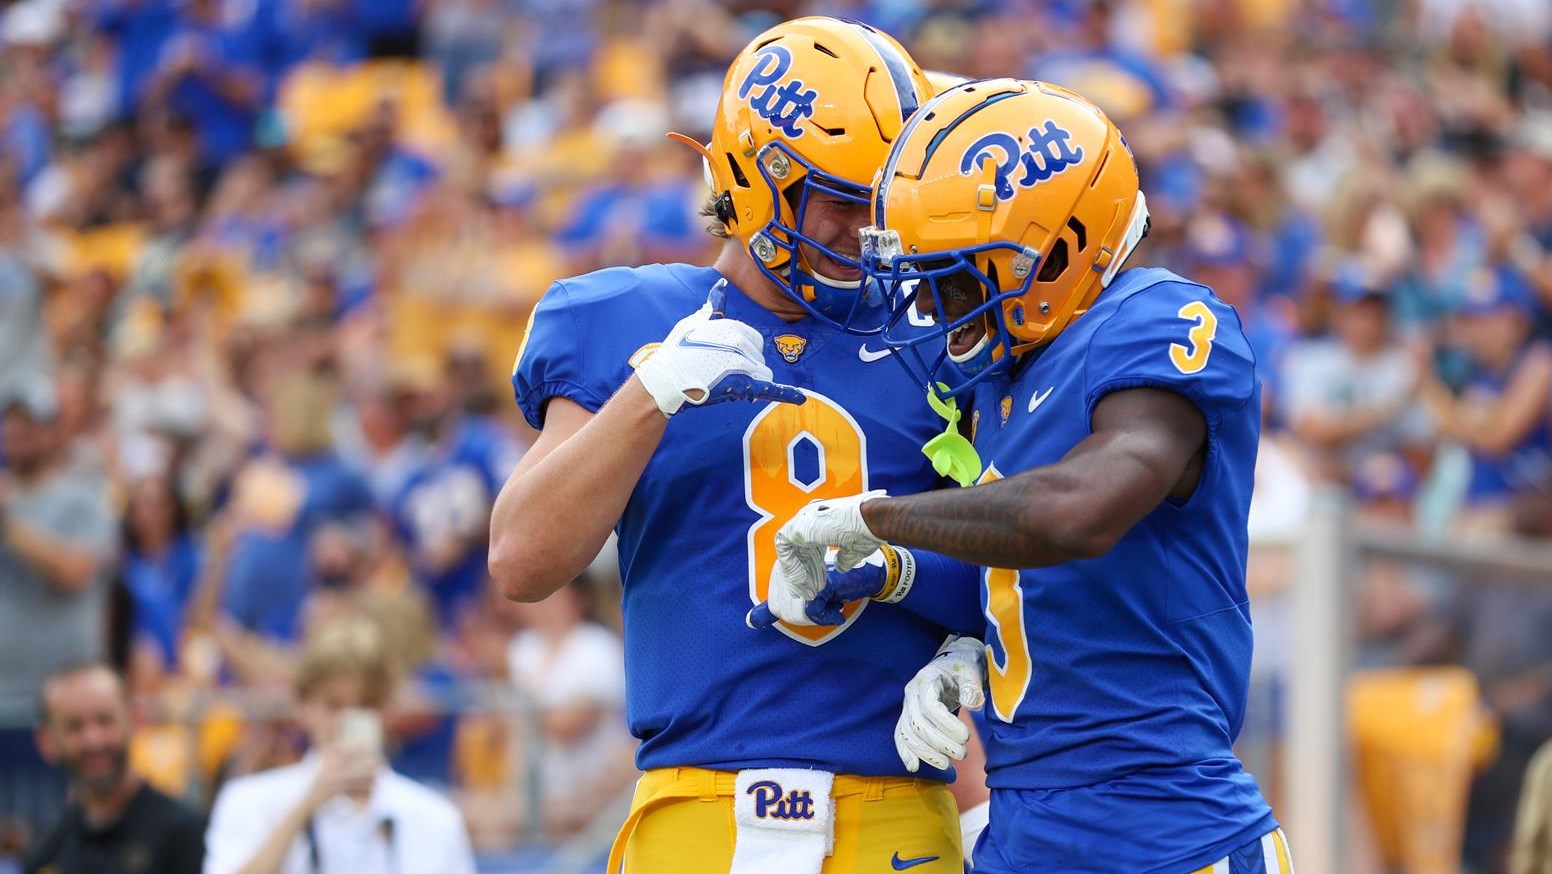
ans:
(1039, 397)
(900, 864)
(872, 355)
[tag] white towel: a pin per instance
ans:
(971, 823)
(784, 819)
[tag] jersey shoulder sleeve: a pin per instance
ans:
(584, 331)
(1162, 331)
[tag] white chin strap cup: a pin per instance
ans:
(847, 284)
(1135, 227)
(975, 350)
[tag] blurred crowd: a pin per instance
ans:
(264, 265)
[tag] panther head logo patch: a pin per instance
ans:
(790, 346)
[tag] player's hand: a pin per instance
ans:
(801, 571)
(877, 577)
(825, 523)
(928, 731)
(707, 359)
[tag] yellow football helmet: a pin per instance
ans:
(1019, 197)
(811, 105)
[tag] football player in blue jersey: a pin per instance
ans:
(1117, 415)
(661, 418)
(440, 504)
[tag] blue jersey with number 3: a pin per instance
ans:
(697, 539)
(1118, 684)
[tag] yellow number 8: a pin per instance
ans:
(776, 488)
(1201, 335)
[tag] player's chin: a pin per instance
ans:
(842, 272)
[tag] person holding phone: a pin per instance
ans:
(340, 809)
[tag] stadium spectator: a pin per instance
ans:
(1122, 81)
(340, 809)
(280, 497)
(30, 31)
(361, 576)
(25, 353)
(319, 31)
(573, 671)
(637, 215)
(1448, 244)
(208, 73)
(1222, 253)
(697, 37)
(115, 822)
(1352, 395)
(57, 543)
(442, 509)
(460, 39)
(163, 561)
(171, 207)
(1500, 415)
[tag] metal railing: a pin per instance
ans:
(1316, 756)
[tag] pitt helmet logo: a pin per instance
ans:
(1005, 409)
(790, 346)
(770, 801)
(1050, 151)
(782, 105)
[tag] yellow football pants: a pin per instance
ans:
(681, 822)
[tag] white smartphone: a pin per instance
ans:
(361, 731)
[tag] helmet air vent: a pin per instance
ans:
(1080, 232)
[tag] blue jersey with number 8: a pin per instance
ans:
(697, 539)
(1118, 684)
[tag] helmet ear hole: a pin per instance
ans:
(1055, 263)
(738, 174)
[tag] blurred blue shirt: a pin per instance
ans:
(160, 586)
(269, 574)
(659, 216)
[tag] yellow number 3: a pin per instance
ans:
(1201, 335)
(1009, 679)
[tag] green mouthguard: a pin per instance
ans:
(951, 454)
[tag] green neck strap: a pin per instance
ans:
(951, 454)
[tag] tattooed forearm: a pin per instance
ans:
(1027, 521)
(1147, 444)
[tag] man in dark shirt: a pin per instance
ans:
(114, 823)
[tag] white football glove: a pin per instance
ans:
(928, 731)
(707, 359)
(799, 574)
